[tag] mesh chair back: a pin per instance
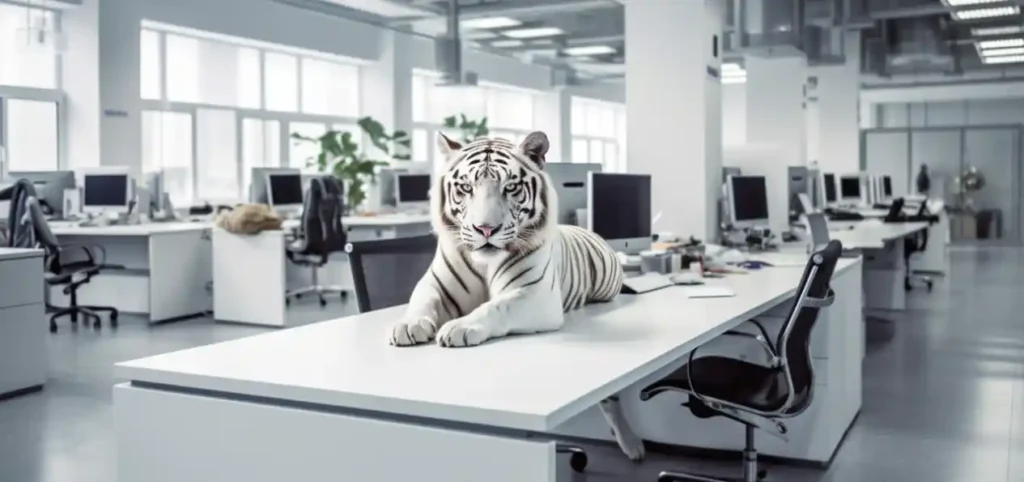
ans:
(794, 341)
(386, 271)
(322, 211)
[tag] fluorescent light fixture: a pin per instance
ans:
(479, 35)
(739, 79)
(990, 12)
(730, 67)
(489, 22)
(503, 44)
(589, 50)
(1001, 43)
(533, 32)
(1002, 52)
(967, 3)
(1004, 30)
(1004, 59)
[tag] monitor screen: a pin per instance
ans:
(105, 190)
(285, 189)
(849, 187)
(749, 198)
(887, 186)
(830, 188)
(621, 205)
(413, 188)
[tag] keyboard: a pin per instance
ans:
(838, 215)
(645, 283)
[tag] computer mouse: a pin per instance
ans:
(754, 264)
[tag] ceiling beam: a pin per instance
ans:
(532, 8)
(569, 42)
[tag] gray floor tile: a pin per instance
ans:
(943, 392)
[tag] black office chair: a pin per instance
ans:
(321, 233)
(755, 395)
(895, 214)
(917, 244)
(385, 271)
(72, 274)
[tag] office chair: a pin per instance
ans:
(754, 395)
(917, 244)
(895, 214)
(68, 273)
(385, 272)
(321, 233)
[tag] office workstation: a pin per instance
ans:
(409, 240)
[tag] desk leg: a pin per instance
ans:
(199, 437)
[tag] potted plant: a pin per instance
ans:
(341, 155)
(470, 130)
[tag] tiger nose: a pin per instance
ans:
(485, 229)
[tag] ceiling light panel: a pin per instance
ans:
(739, 79)
(968, 3)
(489, 22)
(504, 44)
(1001, 43)
(1002, 52)
(1004, 30)
(1005, 59)
(990, 12)
(533, 32)
(479, 35)
(589, 50)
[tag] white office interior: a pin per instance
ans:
(305, 240)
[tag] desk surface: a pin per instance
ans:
(65, 228)
(531, 382)
(19, 253)
(874, 235)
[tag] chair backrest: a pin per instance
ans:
(818, 227)
(21, 233)
(794, 341)
(386, 271)
(322, 211)
(42, 237)
(895, 213)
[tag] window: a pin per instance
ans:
(216, 154)
(23, 61)
(167, 146)
(31, 135)
(216, 106)
(599, 133)
(329, 88)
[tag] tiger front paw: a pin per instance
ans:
(462, 333)
(412, 332)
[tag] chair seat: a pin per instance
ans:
(68, 272)
(731, 380)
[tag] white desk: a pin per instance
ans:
(251, 273)
(24, 361)
(333, 398)
(884, 267)
(167, 268)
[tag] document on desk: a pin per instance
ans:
(708, 291)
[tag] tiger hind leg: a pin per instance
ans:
(629, 442)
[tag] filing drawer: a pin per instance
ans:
(23, 353)
(21, 281)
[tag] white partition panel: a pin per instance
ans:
(941, 150)
(994, 152)
(886, 153)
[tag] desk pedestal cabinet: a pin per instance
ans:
(24, 362)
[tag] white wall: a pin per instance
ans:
(106, 33)
(734, 115)
(950, 113)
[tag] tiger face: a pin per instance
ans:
(493, 196)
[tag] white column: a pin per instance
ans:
(839, 111)
(673, 109)
(776, 125)
(80, 79)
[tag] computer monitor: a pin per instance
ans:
(748, 201)
(828, 182)
(258, 189)
(284, 191)
(412, 191)
(106, 190)
(50, 186)
(570, 183)
(887, 187)
(619, 209)
(849, 188)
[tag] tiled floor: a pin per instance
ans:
(943, 392)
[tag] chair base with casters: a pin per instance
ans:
(751, 472)
(74, 280)
(316, 288)
(577, 456)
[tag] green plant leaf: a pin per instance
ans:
(451, 122)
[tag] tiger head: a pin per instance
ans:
(493, 197)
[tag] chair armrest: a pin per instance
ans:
(812, 302)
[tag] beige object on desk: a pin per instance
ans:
(249, 219)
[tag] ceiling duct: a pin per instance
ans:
(769, 25)
(919, 44)
(448, 52)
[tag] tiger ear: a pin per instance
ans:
(535, 146)
(446, 145)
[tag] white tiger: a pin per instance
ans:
(503, 264)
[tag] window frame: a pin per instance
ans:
(581, 134)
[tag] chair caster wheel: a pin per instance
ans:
(113, 319)
(930, 285)
(53, 327)
(323, 302)
(287, 301)
(298, 296)
(344, 295)
(762, 474)
(578, 462)
(97, 325)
